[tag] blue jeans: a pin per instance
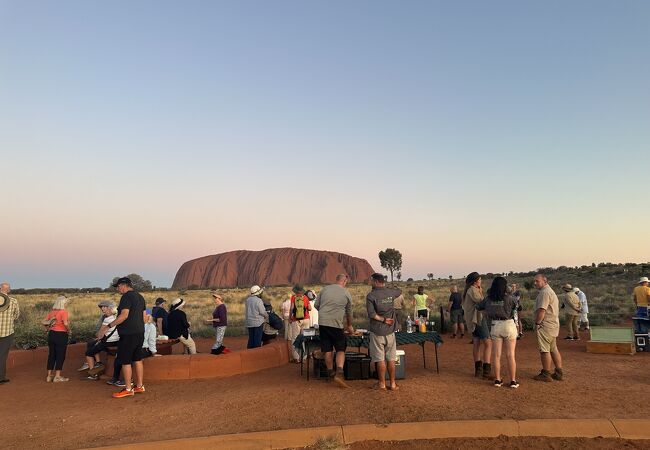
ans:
(642, 311)
(255, 337)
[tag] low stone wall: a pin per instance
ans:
(177, 367)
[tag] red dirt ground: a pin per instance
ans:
(78, 414)
(503, 442)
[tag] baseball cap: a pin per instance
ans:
(160, 301)
(123, 280)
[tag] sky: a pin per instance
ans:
(470, 135)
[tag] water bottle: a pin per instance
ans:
(409, 325)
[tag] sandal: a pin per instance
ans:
(393, 388)
(378, 387)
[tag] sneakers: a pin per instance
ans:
(477, 368)
(60, 379)
(92, 377)
(558, 375)
(123, 393)
(226, 350)
(84, 367)
(498, 383)
(568, 338)
(97, 370)
(49, 379)
(543, 376)
(514, 384)
(119, 383)
(139, 390)
(111, 382)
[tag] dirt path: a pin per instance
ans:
(82, 413)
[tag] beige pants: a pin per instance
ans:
(295, 328)
(572, 326)
(188, 343)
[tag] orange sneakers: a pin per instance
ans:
(138, 390)
(123, 393)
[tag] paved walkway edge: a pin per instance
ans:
(282, 439)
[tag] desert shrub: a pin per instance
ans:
(43, 305)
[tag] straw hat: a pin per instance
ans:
(256, 290)
(5, 301)
(567, 288)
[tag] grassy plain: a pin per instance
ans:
(608, 295)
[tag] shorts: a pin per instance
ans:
(642, 311)
(545, 341)
(481, 331)
(382, 348)
(457, 316)
(423, 313)
(332, 338)
(93, 347)
(504, 329)
(129, 348)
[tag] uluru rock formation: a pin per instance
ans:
(276, 266)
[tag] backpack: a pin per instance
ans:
(299, 308)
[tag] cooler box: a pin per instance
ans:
(641, 342)
(400, 365)
(357, 366)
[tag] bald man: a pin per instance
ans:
(547, 325)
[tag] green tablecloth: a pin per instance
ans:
(362, 341)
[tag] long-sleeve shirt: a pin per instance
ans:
(8, 317)
(255, 313)
(149, 337)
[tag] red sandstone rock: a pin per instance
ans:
(276, 266)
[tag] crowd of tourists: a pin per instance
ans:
(492, 318)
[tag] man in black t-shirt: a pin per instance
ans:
(455, 309)
(130, 326)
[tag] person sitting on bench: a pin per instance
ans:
(179, 327)
(149, 343)
(95, 346)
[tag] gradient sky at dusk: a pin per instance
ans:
(470, 135)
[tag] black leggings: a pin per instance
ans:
(57, 341)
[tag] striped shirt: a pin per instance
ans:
(7, 318)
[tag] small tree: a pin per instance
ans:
(391, 260)
(430, 276)
(399, 276)
(451, 277)
(139, 283)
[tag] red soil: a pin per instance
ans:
(36, 414)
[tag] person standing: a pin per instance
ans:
(160, 317)
(641, 297)
(334, 304)
(477, 325)
(500, 308)
(516, 293)
(571, 305)
(58, 329)
(298, 317)
(455, 309)
(130, 326)
(420, 304)
(399, 305)
(9, 313)
(381, 316)
(255, 316)
(584, 309)
(220, 322)
(547, 325)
